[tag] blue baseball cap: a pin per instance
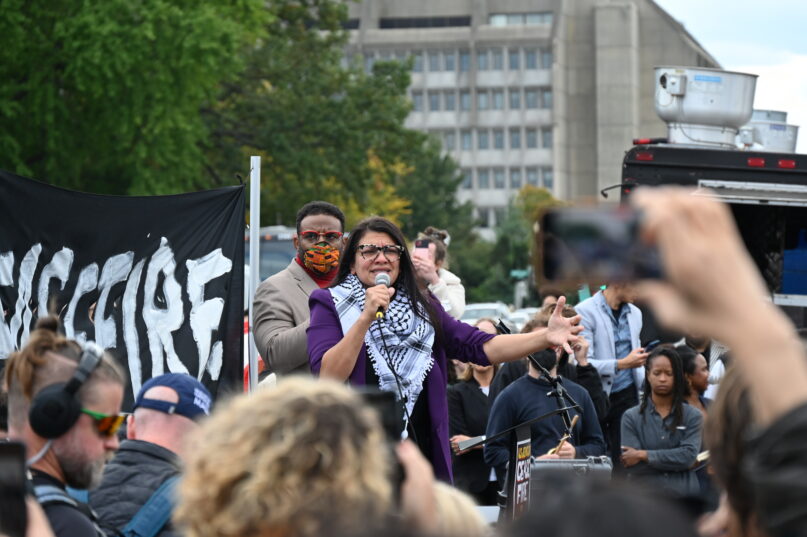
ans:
(194, 399)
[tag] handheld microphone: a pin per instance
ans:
(382, 278)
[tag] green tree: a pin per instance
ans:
(105, 96)
(324, 130)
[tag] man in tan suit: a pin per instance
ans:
(281, 302)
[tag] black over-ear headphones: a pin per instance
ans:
(55, 409)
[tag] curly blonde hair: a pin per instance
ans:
(303, 459)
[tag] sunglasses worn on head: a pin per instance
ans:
(370, 251)
(106, 425)
(314, 236)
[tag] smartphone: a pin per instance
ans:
(391, 414)
(652, 345)
(422, 248)
(389, 410)
(595, 246)
(13, 511)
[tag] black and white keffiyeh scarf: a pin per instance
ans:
(408, 337)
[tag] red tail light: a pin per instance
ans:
(786, 163)
(756, 162)
(644, 156)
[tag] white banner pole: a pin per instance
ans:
(254, 259)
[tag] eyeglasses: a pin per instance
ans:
(106, 425)
(313, 236)
(392, 252)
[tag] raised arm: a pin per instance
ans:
(728, 301)
(560, 331)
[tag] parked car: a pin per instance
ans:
(493, 310)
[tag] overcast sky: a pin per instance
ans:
(768, 39)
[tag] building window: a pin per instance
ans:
(514, 59)
(369, 61)
(483, 217)
(546, 138)
(531, 98)
(532, 138)
(482, 100)
(449, 141)
(498, 59)
(546, 59)
(434, 61)
(532, 176)
(500, 214)
(546, 98)
(450, 60)
(465, 100)
(465, 61)
(483, 179)
(467, 179)
(548, 179)
(417, 101)
(515, 138)
(467, 144)
(498, 179)
(531, 59)
(498, 100)
(385, 55)
(417, 66)
(539, 18)
(434, 101)
(482, 60)
(515, 98)
(482, 139)
(520, 19)
(515, 178)
(498, 139)
(450, 100)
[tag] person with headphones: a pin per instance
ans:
(64, 403)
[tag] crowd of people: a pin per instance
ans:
(361, 314)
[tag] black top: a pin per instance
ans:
(421, 423)
(66, 520)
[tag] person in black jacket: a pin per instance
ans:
(468, 407)
(577, 370)
(164, 415)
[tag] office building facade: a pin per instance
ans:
(528, 92)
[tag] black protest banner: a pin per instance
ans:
(157, 281)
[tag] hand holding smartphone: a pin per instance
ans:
(596, 245)
(13, 510)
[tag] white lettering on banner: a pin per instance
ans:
(161, 319)
(87, 281)
(206, 314)
(160, 322)
(6, 280)
(130, 326)
(115, 270)
(59, 268)
(22, 310)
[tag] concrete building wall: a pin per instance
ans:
(548, 92)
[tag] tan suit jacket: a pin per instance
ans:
(280, 320)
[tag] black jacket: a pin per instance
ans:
(586, 376)
(137, 470)
(468, 409)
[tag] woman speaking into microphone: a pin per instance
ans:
(375, 327)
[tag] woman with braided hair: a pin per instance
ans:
(396, 337)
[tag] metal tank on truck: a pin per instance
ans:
(707, 111)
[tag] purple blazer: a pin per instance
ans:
(459, 341)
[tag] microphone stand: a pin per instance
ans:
(565, 401)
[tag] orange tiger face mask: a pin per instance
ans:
(321, 258)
